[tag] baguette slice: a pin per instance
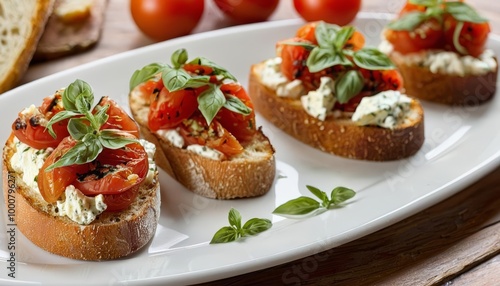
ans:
(249, 174)
(112, 235)
(22, 23)
(341, 136)
(422, 83)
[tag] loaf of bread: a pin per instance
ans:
(22, 23)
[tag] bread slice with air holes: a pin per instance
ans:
(112, 235)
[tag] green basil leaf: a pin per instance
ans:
(210, 102)
(427, 3)
(224, 235)
(234, 218)
(144, 74)
(235, 104)
(341, 194)
(322, 58)
(343, 35)
(463, 12)
(218, 70)
(320, 194)
(60, 116)
(197, 81)
(408, 22)
(71, 93)
(178, 58)
(372, 59)
(83, 152)
(175, 79)
(84, 101)
(115, 139)
(255, 226)
(326, 34)
(348, 85)
(299, 206)
(100, 115)
(79, 127)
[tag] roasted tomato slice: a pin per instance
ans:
(53, 183)
(118, 118)
(472, 37)
(196, 131)
(241, 126)
(30, 128)
(121, 201)
(381, 80)
(168, 109)
(114, 171)
(308, 32)
(428, 35)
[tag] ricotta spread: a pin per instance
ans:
(78, 207)
(446, 62)
(150, 150)
(318, 103)
(28, 161)
(172, 136)
(273, 78)
(386, 109)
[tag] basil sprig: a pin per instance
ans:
(175, 78)
(84, 126)
(303, 206)
(332, 50)
(236, 231)
(436, 9)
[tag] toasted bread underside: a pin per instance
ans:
(250, 174)
(22, 23)
(337, 136)
(467, 90)
(112, 235)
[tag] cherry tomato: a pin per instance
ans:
(121, 201)
(240, 126)
(28, 129)
(409, 7)
(162, 20)
(472, 37)
(214, 136)
(247, 11)
(118, 118)
(381, 80)
(427, 35)
(114, 171)
(168, 109)
(340, 12)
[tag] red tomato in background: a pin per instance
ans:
(165, 19)
(340, 12)
(247, 11)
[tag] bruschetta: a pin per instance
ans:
(326, 89)
(440, 49)
(82, 183)
(203, 122)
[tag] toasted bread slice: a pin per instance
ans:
(22, 23)
(112, 235)
(450, 89)
(339, 136)
(249, 174)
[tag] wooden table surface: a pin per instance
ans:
(456, 242)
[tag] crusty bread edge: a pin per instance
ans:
(110, 236)
(225, 179)
(468, 90)
(16, 72)
(337, 136)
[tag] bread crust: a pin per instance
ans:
(110, 236)
(336, 136)
(20, 55)
(247, 175)
(447, 89)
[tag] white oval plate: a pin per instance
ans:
(461, 146)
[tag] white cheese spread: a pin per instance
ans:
(318, 103)
(446, 62)
(80, 208)
(273, 78)
(28, 161)
(385, 109)
(172, 136)
(150, 150)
